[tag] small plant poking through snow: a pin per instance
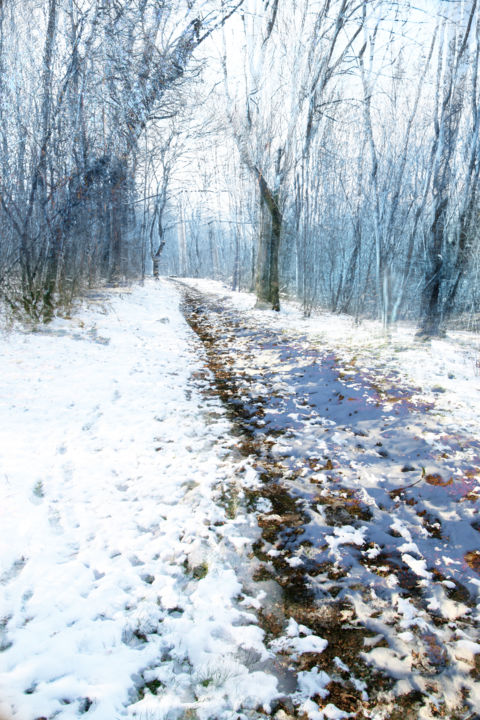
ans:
(214, 675)
(229, 499)
(200, 571)
(38, 490)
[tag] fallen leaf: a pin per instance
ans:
(472, 559)
(436, 479)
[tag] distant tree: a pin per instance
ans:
(395, 222)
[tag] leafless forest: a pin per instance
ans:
(328, 150)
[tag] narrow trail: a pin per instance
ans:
(369, 516)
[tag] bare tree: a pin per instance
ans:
(389, 180)
(108, 70)
(453, 62)
(286, 92)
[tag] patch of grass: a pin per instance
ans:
(229, 499)
(152, 686)
(190, 714)
(214, 676)
(200, 571)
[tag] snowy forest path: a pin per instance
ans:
(121, 572)
(371, 523)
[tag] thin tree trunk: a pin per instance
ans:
(50, 284)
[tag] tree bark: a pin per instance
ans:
(271, 219)
(447, 128)
(156, 260)
(430, 305)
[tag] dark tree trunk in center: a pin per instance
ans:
(267, 280)
(431, 301)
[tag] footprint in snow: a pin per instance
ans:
(54, 521)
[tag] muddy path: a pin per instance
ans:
(369, 515)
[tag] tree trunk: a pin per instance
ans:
(267, 277)
(51, 277)
(50, 282)
(430, 304)
(156, 260)
(236, 263)
(118, 178)
(447, 129)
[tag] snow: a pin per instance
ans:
(346, 535)
(299, 639)
(313, 682)
(126, 581)
(378, 438)
(112, 461)
(329, 712)
(445, 368)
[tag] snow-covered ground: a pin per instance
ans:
(125, 553)
(446, 370)
(120, 571)
(378, 440)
